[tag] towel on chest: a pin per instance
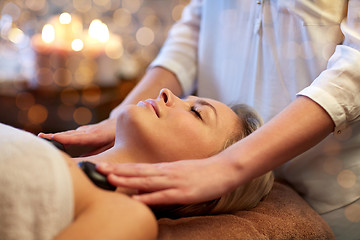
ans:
(35, 187)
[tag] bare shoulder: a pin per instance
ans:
(118, 214)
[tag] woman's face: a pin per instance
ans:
(170, 128)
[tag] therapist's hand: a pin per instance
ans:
(181, 182)
(95, 137)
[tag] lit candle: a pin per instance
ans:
(96, 51)
(59, 34)
(96, 38)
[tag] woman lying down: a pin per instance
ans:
(44, 195)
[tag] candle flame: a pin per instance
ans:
(65, 18)
(48, 33)
(77, 45)
(99, 31)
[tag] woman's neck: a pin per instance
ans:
(118, 154)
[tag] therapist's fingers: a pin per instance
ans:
(154, 190)
(84, 136)
(99, 134)
(70, 135)
(180, 182)
(143, 184)
(131, 169)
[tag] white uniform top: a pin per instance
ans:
(265, 52)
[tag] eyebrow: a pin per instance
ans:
(205, 103)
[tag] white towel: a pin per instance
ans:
(36, 193)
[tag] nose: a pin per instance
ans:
(167, 96)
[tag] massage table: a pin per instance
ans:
(283, 214)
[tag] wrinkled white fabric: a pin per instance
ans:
(36, 194)
(266, 52)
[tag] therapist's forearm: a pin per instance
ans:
(296, 129)
(150, 85)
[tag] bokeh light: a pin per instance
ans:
(36, 5)
(62, 77)
(65, 18)
(77, 45)
(52, 68)
(91, 95)
(122, 17)
(37, 114)
(352, 212)
(48, 33)
(99, 31)
(16, 35)
(82, 115)
(346, 179)
(145, 36)
(12, 10)
(132, 5)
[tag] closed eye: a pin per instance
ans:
(196, 112)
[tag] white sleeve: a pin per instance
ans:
(179, 53)
(337, 89)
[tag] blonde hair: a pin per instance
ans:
(244, 197)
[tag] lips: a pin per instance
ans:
(154, 106)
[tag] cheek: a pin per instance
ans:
(170, 139)
(190, 141)
(187, 130)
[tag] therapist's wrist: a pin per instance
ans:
(230, 170)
